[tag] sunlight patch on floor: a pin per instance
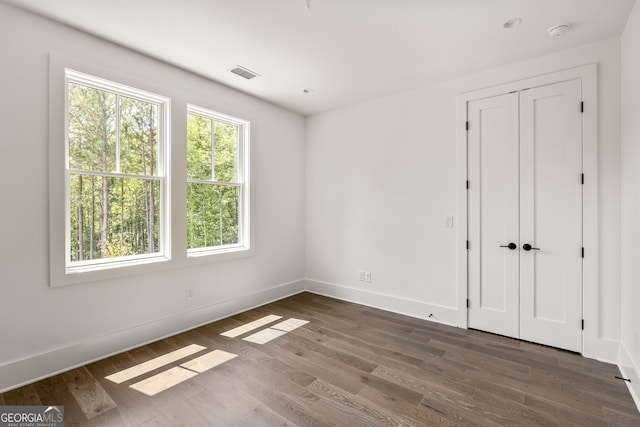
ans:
(275, 331)
(173, 376)
(153, 364)
(264, 336)
(289, 324)
(163, 381)
(208, 361)
(240, 330)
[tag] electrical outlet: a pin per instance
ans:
(361, 276)
(367, 276)
(188, 294)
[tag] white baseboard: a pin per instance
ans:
(408, 307)
(600, 349)
(25, 371)
(629, 370)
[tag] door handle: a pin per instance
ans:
(528, 247)
(511, 246)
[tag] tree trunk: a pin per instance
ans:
(122, 225)
(105, 190)
(80, 222)
(105, 218)
(152, 207)
(93, 218)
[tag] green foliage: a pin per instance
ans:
(212, 215)
(212, 207)
(92, 129)
(112, 216)
(199, 147)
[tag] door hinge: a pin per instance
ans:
(468, 303)
(583, 324)
(467, 184)
(583, 252)
(582, 107)
(467, 244)
(582, 178)
(467, 125)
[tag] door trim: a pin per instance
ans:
(588, 76)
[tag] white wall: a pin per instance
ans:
(630, 348)
(381, 176)
(45, 329)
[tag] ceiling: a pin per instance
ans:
(346, 51)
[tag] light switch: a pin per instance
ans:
(448, 221)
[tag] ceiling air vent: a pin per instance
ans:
(243, 72)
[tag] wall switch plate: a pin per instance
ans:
(361, 276)
(188, 294)
(448, 221)
(367, 276)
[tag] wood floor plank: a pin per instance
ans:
(132, 404)
(554, 411)
(89, 394)
(55, 392)
(263, 416)
(286, 404)
(350, 365)
(158, 421)
(224, 407)
(617, 402)
(26, 395)
(447, 396)
(370, 413)
(315, 366)
(619, 418)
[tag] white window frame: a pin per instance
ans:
(242, 182)
(63, 272)
(176, 254)
(163, 103)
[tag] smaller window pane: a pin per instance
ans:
(212, 215)
(138, 137)
(92, 129)
(225, 152)
(113, 217)
(199, 147)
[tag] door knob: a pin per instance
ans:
(511, 246)
(528, 247)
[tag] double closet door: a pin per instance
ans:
(525, 214)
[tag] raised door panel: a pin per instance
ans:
(551, 215)
(493, 214)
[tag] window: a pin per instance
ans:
(115, 174)
(217, 177)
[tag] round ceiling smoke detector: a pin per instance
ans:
(512, 23)
(558, 30)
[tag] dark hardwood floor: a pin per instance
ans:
(349, 366)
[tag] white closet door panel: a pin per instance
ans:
(493, 214)
(551, 215)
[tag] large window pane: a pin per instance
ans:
(225, 152)
(113, 217)
(199, 147)
(212, 215)
(92, 129)
(138, 137)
